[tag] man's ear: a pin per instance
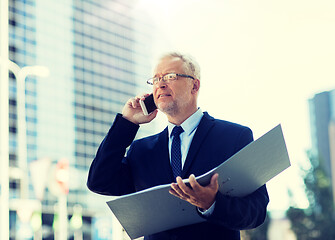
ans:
(196, 85)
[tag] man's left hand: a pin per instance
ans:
(197, 195)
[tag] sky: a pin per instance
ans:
(260, 63)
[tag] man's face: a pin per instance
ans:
(176, 96)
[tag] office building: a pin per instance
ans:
(322, 122)
(322, 113)
(99, 55)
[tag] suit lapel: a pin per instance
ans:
(205, 125)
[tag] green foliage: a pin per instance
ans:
(317, 221)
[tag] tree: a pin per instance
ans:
(317, 221)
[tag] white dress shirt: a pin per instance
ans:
(190, 126)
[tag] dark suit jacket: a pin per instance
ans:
(147, 164)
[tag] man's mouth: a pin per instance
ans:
(163, 95)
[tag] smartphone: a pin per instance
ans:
(148, 105)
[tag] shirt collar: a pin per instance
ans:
(190, 124)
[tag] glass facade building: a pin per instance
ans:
(322, 121)
(322, 114)
(99, 55)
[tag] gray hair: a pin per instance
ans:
(191, 67)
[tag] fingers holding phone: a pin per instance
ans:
(133, 111)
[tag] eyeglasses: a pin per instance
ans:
(167, 78)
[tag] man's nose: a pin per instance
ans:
(161, 84)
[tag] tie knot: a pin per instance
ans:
(177, 130)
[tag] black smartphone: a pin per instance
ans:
(148, 105)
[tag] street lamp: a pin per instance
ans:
(20, 75)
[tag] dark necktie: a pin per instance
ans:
(176, 152)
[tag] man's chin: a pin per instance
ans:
(167, 108)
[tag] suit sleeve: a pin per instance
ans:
(240, 213)
(109, 173)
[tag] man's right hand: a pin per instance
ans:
(132, 111)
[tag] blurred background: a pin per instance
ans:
(68, 67)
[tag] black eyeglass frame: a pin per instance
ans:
(150, 81)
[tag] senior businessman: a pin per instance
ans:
(192, 144)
